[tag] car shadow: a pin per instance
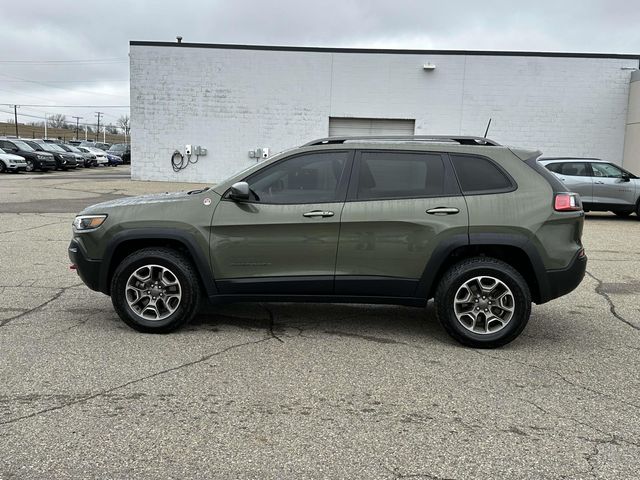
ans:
(608, 217)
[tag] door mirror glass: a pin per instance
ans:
(625, 177)
(239, 191)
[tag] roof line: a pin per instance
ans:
(287, 48)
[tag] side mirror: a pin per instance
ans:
(625, 178)
(240, 191)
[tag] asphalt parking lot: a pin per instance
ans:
(303, 390)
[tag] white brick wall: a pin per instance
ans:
(232, 101)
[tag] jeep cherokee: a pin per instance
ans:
(483, 229)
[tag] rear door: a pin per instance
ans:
(576, 176)
(610, 186)
(400, 206)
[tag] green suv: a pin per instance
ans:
(481, 228)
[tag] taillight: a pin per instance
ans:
(567, 202)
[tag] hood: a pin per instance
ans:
(11, 156)
(154, 199)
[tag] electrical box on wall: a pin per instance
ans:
(259, 153)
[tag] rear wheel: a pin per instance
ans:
(155, 290)
(483, 302)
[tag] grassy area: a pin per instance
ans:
(30, 131)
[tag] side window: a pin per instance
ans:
(307, 178)
(479, 175)
(399, 175)
(575, 169)
(555, 167)
(606, 170)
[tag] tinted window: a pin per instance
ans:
(478, 174)
(606, 170)
(573, 169)
(308, 178)
(399, 175)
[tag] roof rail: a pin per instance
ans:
(462, 140)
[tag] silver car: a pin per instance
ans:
(603, 186)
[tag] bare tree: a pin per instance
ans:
(57, 120)
(124, 124)
(111, 129)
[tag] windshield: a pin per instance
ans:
(23, 146)
(2, 151)
(50, 147)
(71, 148)
(118, 148)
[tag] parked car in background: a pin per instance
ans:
(89, 158)
(114, 160)
(91, 143)
(101, 155)
(80, 160)
(35, 160)
(603, 186)
(123, 150)
(64, 160)
(395, 220)
(10, 162)
(75, 143)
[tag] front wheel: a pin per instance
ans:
(155, 290)
(483, 302)
(623, 213)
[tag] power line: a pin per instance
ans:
(46, 84)
(56, 62)
(68, 106)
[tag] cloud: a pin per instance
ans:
(70, 31)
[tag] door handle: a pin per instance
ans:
(318, 213)
(443, 211)
(599, 183)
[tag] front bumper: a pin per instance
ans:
(16, 167)
(88, 270)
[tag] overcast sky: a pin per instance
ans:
(67, 52)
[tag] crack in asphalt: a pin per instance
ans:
(20, 230)
(56, 296)
(612, 306)
(272, 323)
(559, 375)
(132, 382)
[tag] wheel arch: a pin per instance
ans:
(515, 250)
(127, 242)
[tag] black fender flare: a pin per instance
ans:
(201, 262)
(445, 249)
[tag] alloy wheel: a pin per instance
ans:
(153, 292)
(484, 305)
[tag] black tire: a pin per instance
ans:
(3, 167)
(30, 166)
(467, 269)
(180, 267)
(623, 213)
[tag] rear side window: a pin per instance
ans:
(399, 175)
(480, 175)
(570, 169)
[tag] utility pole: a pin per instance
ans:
(46, 121)
(15, 116)
(98, 128)
(77, 124)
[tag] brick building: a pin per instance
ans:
(233, 100)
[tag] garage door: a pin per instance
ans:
(343, 127)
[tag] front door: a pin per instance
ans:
(401, 205)
(610, 186)
(284, 239)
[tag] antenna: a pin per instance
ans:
(487, 130)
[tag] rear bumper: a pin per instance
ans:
(88, 270)
(563, 281)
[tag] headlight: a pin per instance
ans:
(84, 223)
(42, 157)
